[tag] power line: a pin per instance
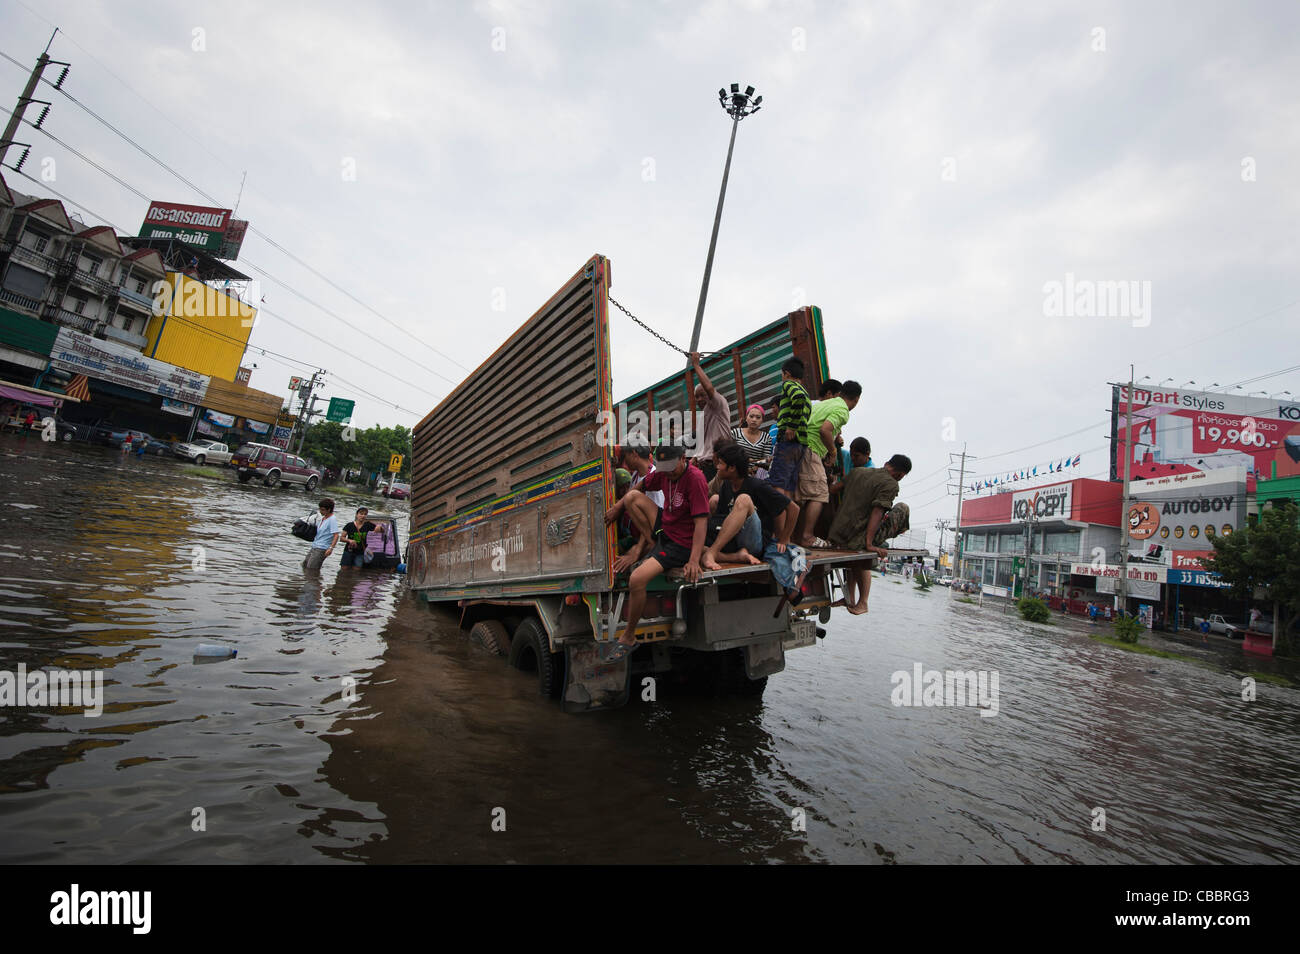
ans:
(247, 264)
(252, 229)
(263, 309)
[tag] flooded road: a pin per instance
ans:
(125, 566)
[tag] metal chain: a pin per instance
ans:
(615, 303)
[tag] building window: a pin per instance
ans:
(975, 542)
(92, 265)
(39, 242)
(79, 306)
(989, 567)
(1004, 573)
(139, 286)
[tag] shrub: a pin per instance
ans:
(1033, 609)
(1128, 629)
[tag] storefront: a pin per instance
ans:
(1036, 536)
(1173, 523)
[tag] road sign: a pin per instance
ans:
(395, 463)
(340, 410)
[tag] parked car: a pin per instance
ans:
(1263, 625)
(152, 444)
(397, 490)
(945, 580)
(203, 452)
(1217, 624)
(275, 467)
(244, 451)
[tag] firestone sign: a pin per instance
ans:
(1043, 503)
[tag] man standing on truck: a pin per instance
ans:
(714, 419)
(681, 542)
(825, 421)
(789, 447)
(867, 519)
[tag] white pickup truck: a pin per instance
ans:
(1217, 623)
(204, 452)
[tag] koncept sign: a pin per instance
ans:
(1043, 503)
(1179, 432)
(197, 225)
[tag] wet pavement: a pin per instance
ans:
(358, 725)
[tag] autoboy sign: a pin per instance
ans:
(1184, 511)
(1044, 503)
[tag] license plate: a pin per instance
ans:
(803, 632)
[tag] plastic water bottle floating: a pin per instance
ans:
(214, 651)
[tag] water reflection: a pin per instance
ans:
(358, 725)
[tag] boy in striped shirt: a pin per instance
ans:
(788, 453)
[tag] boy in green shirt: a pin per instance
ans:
(825, 422)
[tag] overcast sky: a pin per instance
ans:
(919, 171)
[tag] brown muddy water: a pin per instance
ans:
(99, 571)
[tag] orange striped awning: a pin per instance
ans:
(78, 388)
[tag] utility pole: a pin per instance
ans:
(961, 486)
(1031, 517)
(11, 129)
(1122, 589)
(305, 410)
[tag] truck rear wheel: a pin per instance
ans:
(492, 635)
(530, 651)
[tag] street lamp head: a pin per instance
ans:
(738, 105)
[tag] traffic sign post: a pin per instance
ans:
(340, 410)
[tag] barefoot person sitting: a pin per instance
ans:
(681, 542)
(759, 520)
(638, 508)
(867, 519)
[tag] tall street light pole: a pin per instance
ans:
(737, 105)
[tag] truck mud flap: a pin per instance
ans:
(590, 683)
(764, 659)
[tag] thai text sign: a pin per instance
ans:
(1148, 574)
(120, 364)
(196, 225)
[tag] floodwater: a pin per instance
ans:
(125, 566)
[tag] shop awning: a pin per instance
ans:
(25, 395)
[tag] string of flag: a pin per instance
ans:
(1028, 473)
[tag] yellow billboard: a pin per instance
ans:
(199, 327)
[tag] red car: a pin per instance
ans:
(275, 467)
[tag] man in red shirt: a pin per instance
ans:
(681, 541)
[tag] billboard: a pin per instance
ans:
(1172, 519)
(233, 240)
(1042, 503)
(1182, 432)
(197, 225)
(109, 361)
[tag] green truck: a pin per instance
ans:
(507, 511)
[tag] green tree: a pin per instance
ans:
(324, 446)
(1266, 554)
